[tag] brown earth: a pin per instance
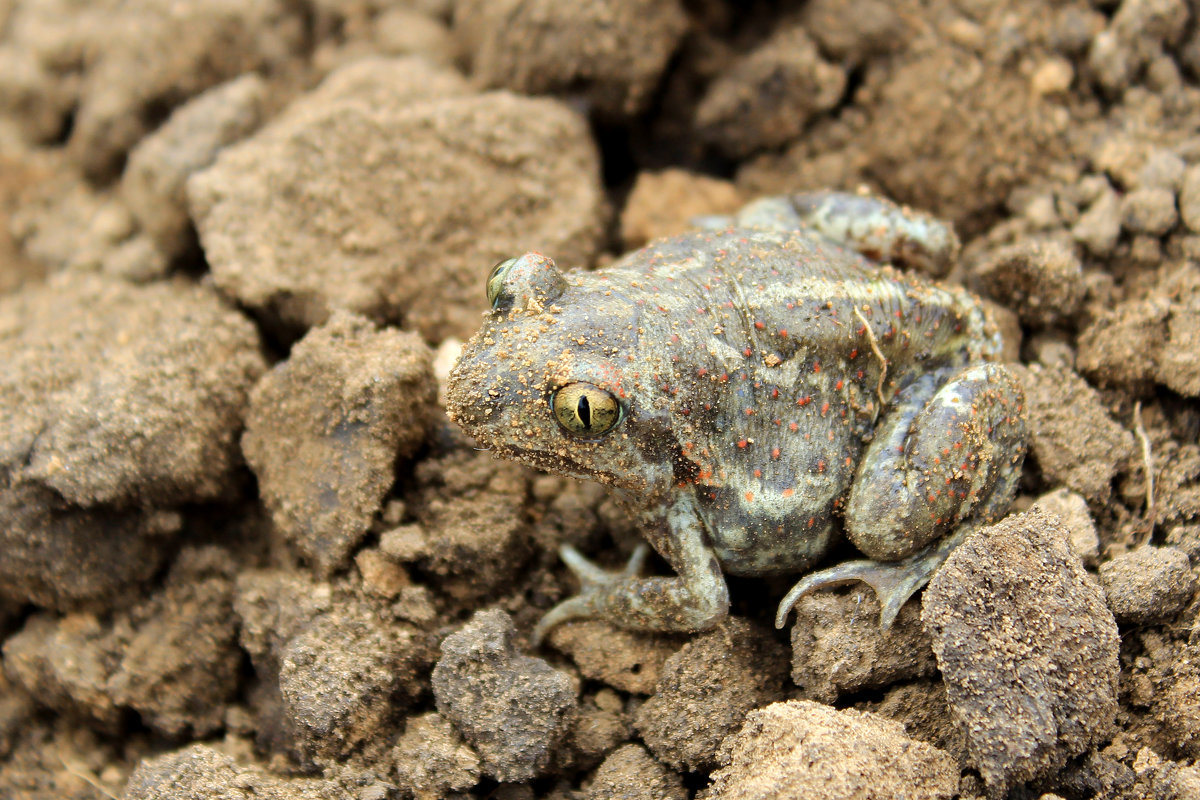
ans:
(243, 553)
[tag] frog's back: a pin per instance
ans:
(768, 350)
(782, 293)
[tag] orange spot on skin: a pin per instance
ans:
(759, 325)
(775, 453)
(747, 352)
(816, 366)
(839, 384)
(793, 427)
(758, 473)
(821, 465)
(788, 492)
(702, 372)
(783, 332)
(824, 408)
(742, 443)
(749, 497)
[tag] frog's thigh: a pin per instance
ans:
(946, 452)
(879, 229)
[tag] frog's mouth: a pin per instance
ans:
(557, 466)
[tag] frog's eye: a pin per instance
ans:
(495, 279)
(585, 410)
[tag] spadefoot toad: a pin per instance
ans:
(750, 391)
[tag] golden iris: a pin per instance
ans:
(585, 410)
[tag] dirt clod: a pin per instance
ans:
(359, 202)
(804, 749)
(432, 759)
(1147, 585)
(1041, 278)
(705, 691)
(154, 180)
(513, 709)
(768, 97)
(631, 773)
(610, 53)
(1074, 441)
(326, 427)
(345, 677)
(201, 771)
(114, 394)
(628, 661)
(1072, 510)
(172, 658)
(1012, 599)
(113, 68)
(839, 648)
(664, 204)
(63, 557)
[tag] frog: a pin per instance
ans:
(753, 392)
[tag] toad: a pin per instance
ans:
(751, 391)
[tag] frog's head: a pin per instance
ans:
(544, 380)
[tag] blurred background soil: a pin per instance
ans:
(243, 553)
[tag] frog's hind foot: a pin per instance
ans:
(894, 582)
(593, 580)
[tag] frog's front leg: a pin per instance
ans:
(946, 459)
(696, 600)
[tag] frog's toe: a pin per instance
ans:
(894, 582)
(577, 607)
(893, 585)
(594, 583)
(590, 574)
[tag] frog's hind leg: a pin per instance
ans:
(946, 459)
(695, 600)
(868, 224)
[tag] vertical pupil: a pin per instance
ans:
(584, 410)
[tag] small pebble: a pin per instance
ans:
(1100, 226)
(1053, 76)
(1189, 198)
(1072, 509)
(1151, 211)
(1187, 539)
(1162, 170)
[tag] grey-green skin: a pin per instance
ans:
(758, 419)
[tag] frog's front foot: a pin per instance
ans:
(894, 582)
(595, 584)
